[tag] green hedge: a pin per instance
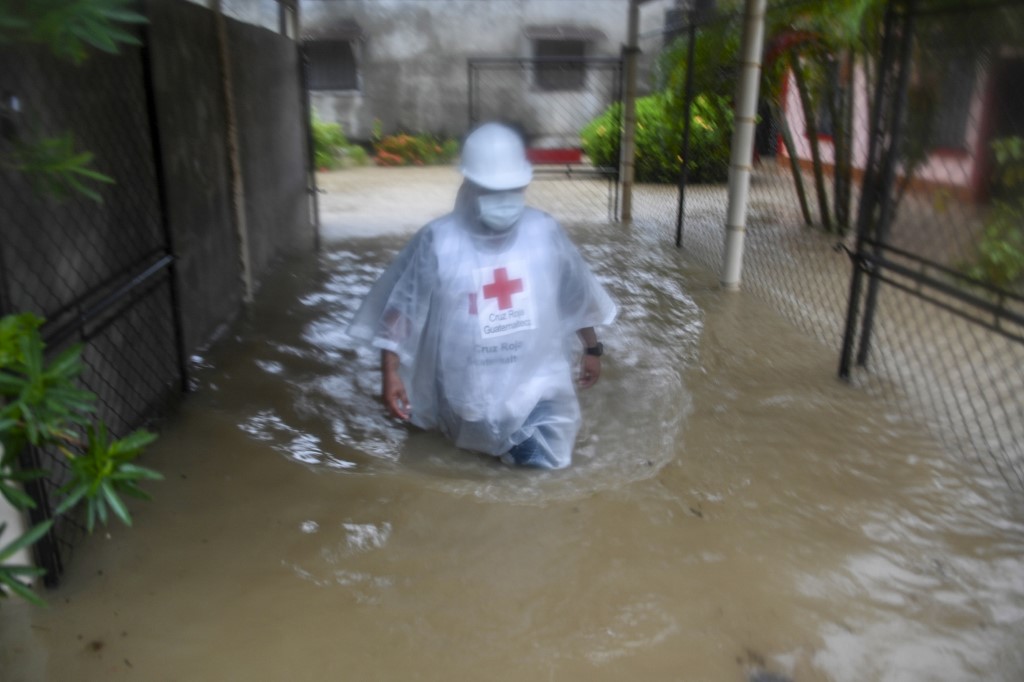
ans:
(659, 139)
(331, 148)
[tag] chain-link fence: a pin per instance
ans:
(142, 270)
(551, 100)
(96, 269)
(893, 154)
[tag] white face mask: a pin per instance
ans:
(501, 210)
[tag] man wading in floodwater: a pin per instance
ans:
(477, 317)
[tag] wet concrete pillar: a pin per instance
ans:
(742, 150)
(630, 53)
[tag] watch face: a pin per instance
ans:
(597, 350)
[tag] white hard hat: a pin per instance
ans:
(493, 157)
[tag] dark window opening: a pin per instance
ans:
(953, 105)
(332, 65)
(828, 99)
(556, 75)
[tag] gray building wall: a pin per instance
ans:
(412, 56)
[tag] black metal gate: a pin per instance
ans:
(99, 270)
(550, 100)
(909, 259)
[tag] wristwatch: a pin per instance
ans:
(596, 350)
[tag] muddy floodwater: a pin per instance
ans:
(734, 512)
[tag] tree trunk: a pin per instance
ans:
(841, 109)
(794, 162)
(810, 119)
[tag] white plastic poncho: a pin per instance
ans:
(484, 324)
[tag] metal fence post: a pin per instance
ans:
(887, 179)
(685, 165)
(869, 195)
(161, 191)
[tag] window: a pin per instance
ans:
(953, 104)
(829, 98)
(554, 75)
(332, 65)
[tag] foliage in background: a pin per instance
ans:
(55, 168)
(41, 406)
(659, 138)
(414, 150)
(999, 256)
(68, 29)
(331, 149)
(820, 46)
(661, 117)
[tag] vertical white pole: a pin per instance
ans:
(631, 52)
(744, 123)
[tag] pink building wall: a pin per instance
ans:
(960, 171)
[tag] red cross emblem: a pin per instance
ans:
(502, 288)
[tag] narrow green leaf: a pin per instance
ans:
(87, 192)
(72, 499)
(29, 538)
(95, 175)
(30, 424)
(118, 35)
(68, 363)
(21, 590)
(116, 504)
(25, 475)
(133, 441)
(16, 496)
(101, 510)
(130, 488)
(124, 16)
(24, 570)
(90, 513)
(134, 471)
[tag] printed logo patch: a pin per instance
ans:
(504, 302)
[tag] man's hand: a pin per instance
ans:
(392, 387)
(590, 371)
(590, 368)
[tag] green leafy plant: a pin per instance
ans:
(414, 150)
(56, 168)
(42, 406)
(999, 254)
(69, 28)
(331, 149)
(659, 139)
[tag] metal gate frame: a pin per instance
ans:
(877, 261)
(91, 313)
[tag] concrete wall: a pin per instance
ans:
(413, 56)
(272, 143)
(956, 172)
(192, 121)
(192, 116)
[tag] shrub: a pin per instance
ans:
(999, 255)
(41, 405)
(659, 139)
(414, 150)
(331, 149)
